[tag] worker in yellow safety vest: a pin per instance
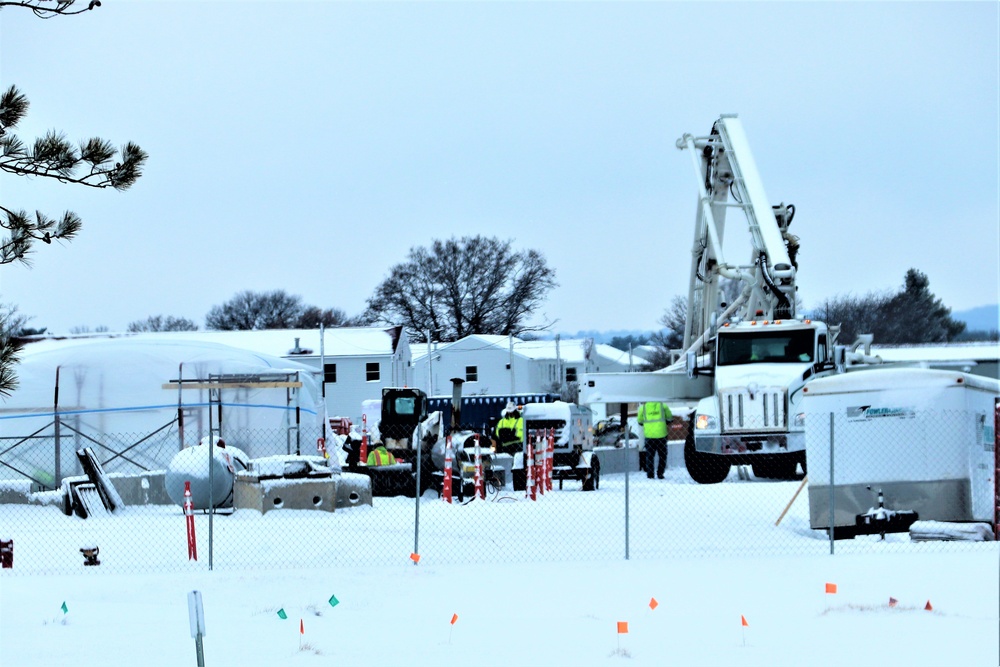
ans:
(380, 456)
(510, 430)
(655, 418)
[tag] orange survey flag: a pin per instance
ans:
(623, 627)
(454, 617)
(831, 588)
(653, 604)
(743, 621)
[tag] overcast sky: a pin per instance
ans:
(307, 146)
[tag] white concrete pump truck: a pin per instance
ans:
(746, 362)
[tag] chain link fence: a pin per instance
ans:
(289, 497)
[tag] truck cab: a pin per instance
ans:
(754, 415)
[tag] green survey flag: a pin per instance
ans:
(64, 608)
(281, 614)
(334, 601)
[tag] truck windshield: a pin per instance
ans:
(765, 347)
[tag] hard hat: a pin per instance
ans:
(510, 407)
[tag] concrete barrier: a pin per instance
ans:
(265, 495)
(615, 459)
(354, 490)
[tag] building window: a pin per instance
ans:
(472, 374)
(570, 375)
(372, 373)
(330, 373)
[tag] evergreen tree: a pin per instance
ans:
(94, 163)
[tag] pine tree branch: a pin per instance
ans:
(47, 9)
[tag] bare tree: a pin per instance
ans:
(458, 287)
(163, 323)
(854, 314)
(673, 320)
(250, 310)
(313, 316)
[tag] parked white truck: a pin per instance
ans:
(745, 362)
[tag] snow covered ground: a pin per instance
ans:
(542, 583)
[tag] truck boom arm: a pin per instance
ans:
(724, 164)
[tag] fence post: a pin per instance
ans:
(57, 467)
(831, 484)
(211, 481)
(996, 469)
(624, 423)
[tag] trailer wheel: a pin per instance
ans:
(703, 468)
(592, 481)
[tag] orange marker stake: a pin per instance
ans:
(622, 630)
(743, 628)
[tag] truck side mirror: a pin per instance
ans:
(840, 358)
(691, 364)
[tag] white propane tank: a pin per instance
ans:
(192, 465)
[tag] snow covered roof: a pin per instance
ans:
(942, 352)
(570, 351)
(338, 342)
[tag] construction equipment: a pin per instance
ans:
(409, 431)
(745, 363)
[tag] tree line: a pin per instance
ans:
(910, 315)
(448, 290)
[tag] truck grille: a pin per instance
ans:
(762, 411)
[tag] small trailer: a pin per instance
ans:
(906, 444)
(573, 443)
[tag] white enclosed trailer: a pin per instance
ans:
(923, 440)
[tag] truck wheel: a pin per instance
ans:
(786, 469)
(593, 479)
(762, 470)
(703, 468)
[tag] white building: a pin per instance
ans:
(509, 365)
(356, 362)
